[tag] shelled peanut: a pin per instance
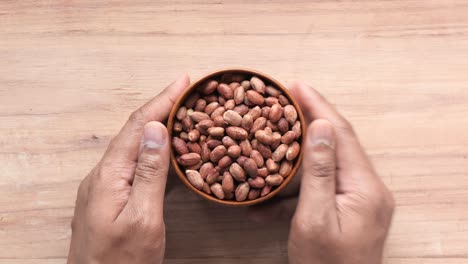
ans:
(236, 137)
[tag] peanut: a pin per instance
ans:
(253, 194)
(232, 118)
(257, 84)
(242, 191)
(195, 179)
(189, 159)
(217, 153)
(179, 146)
(293, 151)
(250, 166)
(209, 87)
(274, 180)
(217, 190)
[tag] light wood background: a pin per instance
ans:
(72, 71)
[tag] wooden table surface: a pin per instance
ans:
(72, 71)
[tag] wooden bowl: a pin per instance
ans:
(217, 76)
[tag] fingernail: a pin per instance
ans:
(322, 133)
(154, 135)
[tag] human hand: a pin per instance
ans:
(344, 210)
(119, 207)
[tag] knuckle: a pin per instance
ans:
(141, 222)
(382, 198)
(346, 126)
(137, 116)
(323, 167)
(148, 167)
(310, 229)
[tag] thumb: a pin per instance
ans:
(316, 203)
(149, 183)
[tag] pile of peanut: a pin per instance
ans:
(236, 138)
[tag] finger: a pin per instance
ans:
(147, 193)
(350, 154)
(280, 209)
(125, 146)
(317, 194)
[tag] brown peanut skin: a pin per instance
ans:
(228, 183)
(224, 162)
(179, 146)
(255, 112)
(283, 125)
(241, 109)
(263, 172)
(217, 153)
(236, 132)
(211, 98)
(187, 124)
(225, 91)
(242, 191)
(285, 168)
(272, 166)
(254, 97)
(276, 112)
(205, 152)
(232, 118)
(293, 151)
(239, 95)
(250, 167)
(279, 153)
(253, 194)
(209, 87)
(258, 124)
(206, 188)
(205, 169)
(272, 91)
(194, 147)
(247, 122)
(213, 143)
(212, 177)
(191, 100)
(209, 109)
(246, 147)
(234, 151)
(181, 113)
(257, 182)
(228, 141)
(288, 137)
(195, 179)
(265, 190)
(200, 105)
(245, 84)
(217, 190)
(240, 160)
(258, 85)
(257, 157)
(216, 131)
(264, 150)
(283, 100)
(229, 105)
(237, 172)
(189, 159)
(274, 180)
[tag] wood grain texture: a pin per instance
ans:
(72, 71)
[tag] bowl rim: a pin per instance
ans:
(216, 75)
